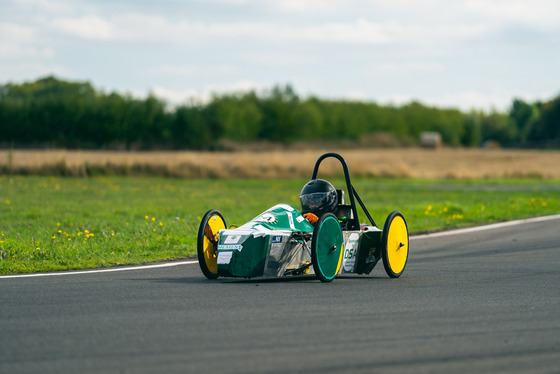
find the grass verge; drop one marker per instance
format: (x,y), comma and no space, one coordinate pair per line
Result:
(54,223)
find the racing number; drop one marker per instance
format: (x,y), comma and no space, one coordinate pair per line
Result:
(349,252)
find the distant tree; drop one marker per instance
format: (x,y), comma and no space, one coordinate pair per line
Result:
(239,115)
(277,107)
(55,113)
(524,115)
(547,127)
(44,111)
(471,135)
(308,117)
(194,127)
(498,127)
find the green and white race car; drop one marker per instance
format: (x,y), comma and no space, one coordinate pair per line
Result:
(282,242)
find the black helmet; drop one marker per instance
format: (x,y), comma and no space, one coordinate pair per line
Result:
(318,197)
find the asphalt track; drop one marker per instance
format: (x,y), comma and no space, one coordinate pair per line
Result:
(473,302)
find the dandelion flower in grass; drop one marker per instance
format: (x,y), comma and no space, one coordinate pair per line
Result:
(161,223)
(146,217)
(153,219)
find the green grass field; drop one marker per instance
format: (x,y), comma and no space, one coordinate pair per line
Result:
(50,223)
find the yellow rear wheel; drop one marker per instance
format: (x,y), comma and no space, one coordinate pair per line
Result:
(395,244)
(207,243)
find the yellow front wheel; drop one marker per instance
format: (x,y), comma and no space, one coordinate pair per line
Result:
(395,244)
(207,243)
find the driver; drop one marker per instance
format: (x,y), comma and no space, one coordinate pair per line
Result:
(317,198)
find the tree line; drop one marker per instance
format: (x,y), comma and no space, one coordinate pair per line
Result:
(55,113)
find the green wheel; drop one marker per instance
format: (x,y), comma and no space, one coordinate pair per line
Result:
(394,244)
(207,242)
(326,247)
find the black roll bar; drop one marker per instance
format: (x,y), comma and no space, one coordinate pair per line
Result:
(351,190)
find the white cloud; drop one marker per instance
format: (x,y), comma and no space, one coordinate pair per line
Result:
(175,97)
(216,42)
(12,51)
(406,67)
(17,41)
(358,32)
(15,33)
(189,70)
(41,8)
(175,70)
(238,86)
(468,100)
(538,14)
(534,13)
(308,6)
(396,99)
(397,22)
(276,59)
(87,27)
(187,96)
(157,29)
(464,100)
(366,32)
(32,70)
(355,96)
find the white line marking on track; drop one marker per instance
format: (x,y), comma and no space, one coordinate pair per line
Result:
(487,227)
(127,268)
(171,264)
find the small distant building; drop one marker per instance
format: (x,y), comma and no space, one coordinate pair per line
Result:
(430,139)
(491,144)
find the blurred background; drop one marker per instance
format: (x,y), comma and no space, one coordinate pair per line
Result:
(242,74)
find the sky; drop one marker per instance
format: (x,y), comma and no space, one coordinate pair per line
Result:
(467,54)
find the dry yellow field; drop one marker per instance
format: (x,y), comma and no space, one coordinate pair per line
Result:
(407,162)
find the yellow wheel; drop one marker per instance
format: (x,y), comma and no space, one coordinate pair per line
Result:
(207,243)
(395,244)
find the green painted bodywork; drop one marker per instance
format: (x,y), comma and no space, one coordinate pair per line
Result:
(242,252)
